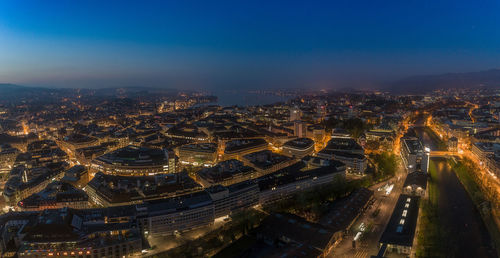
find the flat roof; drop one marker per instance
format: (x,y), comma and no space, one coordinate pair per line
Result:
(413,145)
(416,178)
(294,173)
(238,145)
(174,204)
(279,225)
(341,153)
(265,159)
(401,227)
(135,156)
(299,143)
(201,147)
(345,210)
(343,144)
(224,170)
(116,189)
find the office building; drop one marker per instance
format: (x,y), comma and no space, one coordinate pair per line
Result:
(298,148)
(413,154)
(201,154)
(135,161)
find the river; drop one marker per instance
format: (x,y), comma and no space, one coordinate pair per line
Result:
(468,236)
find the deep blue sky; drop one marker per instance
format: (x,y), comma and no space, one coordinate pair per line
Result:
(242,44)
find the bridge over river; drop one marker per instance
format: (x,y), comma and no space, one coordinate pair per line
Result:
(466,232)
(443,154)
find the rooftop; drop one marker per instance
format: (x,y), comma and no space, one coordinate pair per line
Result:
(299,143)
(345,210)
(224,170)
(330,152)
(55,192)
(265,159)
(288,226)
(296,172)
(201,147)
(401,227)
(238,145)
(343,144)
(416,178)
(135,156)
(174,204)
(413,145)
(116,189)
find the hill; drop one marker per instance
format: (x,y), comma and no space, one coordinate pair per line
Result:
(426,83)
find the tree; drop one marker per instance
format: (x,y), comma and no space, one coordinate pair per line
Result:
(386,163)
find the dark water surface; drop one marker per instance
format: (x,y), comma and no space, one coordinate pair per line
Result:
(468,236)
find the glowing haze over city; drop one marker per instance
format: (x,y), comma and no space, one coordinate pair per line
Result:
(249,129)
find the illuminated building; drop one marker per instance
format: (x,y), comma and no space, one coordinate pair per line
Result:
(73,142)
(8,155)
(414,156)
(135,161)
(483,150)
(344,144)
(110,190)
(56,195)
(299,129)
(72,233)
(266,161)
(236,149)
(400,231)
(198,154)
(187,132)
(453,144)
(295,114)
(177,214)
(24,182)
(233,198)
(225,173)
(355,163)
(298,148)
(285,182)
(415,184)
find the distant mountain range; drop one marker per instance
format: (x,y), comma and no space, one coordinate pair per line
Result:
(427,83)
(11,92)
(413,84)
(18,92)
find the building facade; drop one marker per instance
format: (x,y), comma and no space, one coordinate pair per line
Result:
(413,154)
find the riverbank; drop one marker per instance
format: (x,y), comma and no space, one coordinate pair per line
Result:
(431,234)
(463,170)
(440,143)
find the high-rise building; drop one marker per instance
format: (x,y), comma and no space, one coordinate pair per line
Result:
(299,129)
(295,114)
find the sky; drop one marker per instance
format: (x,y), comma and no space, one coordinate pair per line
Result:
(242,44)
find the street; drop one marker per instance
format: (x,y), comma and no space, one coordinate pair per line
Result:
(367,245)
